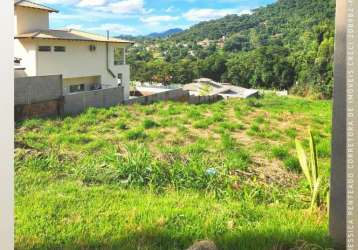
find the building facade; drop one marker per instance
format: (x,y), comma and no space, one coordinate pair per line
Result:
(86,61)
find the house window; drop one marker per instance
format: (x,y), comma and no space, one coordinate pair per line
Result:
(119,56)
(45,48)
(92,48)
(60,48)
(120,79)
(77,88)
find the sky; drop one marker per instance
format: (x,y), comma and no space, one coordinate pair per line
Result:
(141,17)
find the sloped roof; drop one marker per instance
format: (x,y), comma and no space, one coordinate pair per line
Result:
(29,4)
(70,34)
(222,89)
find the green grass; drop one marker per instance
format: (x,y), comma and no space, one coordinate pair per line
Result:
(164,175)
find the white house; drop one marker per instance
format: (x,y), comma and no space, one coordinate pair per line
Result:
(86,61)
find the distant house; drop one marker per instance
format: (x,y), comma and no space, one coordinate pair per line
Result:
(86,61)
(204,43)
(206,86)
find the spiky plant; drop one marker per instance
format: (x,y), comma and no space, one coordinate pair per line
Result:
(310,169)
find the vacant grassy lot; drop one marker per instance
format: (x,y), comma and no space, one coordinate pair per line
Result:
(164,175)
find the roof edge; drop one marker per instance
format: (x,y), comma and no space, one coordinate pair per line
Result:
(45,8)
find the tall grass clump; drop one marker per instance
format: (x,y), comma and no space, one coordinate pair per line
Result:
(147,124)
(135,134)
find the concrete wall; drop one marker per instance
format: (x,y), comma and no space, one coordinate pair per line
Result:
(29,20)
(75,103)
(37,89)
(39,110)
(204,99)
(174,95)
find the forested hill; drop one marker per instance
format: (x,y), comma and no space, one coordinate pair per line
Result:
(283,17)
(285,45)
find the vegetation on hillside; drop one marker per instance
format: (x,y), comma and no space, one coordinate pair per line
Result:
(164,175)
(286,45)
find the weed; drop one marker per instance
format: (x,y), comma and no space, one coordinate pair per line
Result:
(252,102)
(135,134)
(202,124)
(122,125)
(280,152)
(291,132)
(147,124)
(292,164)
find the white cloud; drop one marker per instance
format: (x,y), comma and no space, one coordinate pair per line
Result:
(114,28)
(87,15)
(170,9)
(62,2)
(155,20)
(124,7)
(73,26)
(197,15)
(91,3)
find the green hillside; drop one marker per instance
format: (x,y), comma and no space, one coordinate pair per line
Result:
(286,45)
(287,17)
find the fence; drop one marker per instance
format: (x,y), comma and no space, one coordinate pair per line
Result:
(38,96)
(204,99)
(75,103)
(42,96)
(37,89)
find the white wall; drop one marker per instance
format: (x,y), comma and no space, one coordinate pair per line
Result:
(26,50)
(79,61)
(30,19)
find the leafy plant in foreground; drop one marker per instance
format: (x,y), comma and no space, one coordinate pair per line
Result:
(310,169)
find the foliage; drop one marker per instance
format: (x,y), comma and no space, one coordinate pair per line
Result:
(285,45)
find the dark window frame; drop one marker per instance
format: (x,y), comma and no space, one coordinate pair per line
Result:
(77,88)
(92,47)
(44,48)
(119,59)
(60,49)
